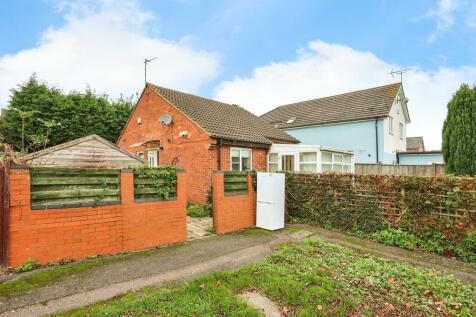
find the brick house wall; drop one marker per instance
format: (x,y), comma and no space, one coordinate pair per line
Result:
(75,233)
(197,153)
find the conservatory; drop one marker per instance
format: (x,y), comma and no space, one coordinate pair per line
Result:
(309,159)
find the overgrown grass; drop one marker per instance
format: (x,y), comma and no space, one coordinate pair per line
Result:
(199,211)
(309,279)
(48,275)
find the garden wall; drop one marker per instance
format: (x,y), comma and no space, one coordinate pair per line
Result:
(437,209)
(234,201)
(45,235)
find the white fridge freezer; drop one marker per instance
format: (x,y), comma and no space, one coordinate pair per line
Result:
(270,201)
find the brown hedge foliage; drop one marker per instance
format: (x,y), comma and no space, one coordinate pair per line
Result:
(367,203)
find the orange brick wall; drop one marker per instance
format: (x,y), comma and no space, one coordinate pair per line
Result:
(232,213)
(197,153)
(194,153)
(74,233)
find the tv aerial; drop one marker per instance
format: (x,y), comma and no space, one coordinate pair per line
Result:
(147,61)
(400,72)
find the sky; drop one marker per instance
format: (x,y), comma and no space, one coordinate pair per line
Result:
(258,54)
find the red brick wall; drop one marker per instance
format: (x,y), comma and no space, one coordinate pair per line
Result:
(259,158)
(232,213)
(194,153)
(74,233)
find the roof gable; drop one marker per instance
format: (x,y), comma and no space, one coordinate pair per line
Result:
(353,106)
(223,121)
(70,144)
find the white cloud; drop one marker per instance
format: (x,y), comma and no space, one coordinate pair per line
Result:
(450,13)
(324,69)
(102,44)
(444,16)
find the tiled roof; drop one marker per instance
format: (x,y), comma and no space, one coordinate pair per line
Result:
(415,143)
(224,121)
(358,105)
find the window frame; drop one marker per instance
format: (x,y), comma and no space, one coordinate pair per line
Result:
(400,130)
(138,154)
(334,163)
(157,157)
(277,161)
(241,162)
(316,165)
(390,124)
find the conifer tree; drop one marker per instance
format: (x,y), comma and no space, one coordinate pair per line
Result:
(459,133)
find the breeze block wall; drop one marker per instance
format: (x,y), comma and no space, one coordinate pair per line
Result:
(232,212)
(73,233)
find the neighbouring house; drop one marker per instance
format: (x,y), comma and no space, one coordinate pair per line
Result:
(305,158)
(415,144)
(371,122)
(417,155)
(420,158)
(88,152)
(168,127)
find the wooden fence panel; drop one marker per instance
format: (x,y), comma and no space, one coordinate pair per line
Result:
(401,170)
(236,183)
(73,187)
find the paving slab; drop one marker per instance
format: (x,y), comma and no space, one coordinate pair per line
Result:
(199,227)
(262,303)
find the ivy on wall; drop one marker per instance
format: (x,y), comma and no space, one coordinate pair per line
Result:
(439,212)
(155,183)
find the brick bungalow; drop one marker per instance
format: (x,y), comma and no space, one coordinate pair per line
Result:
(199,134)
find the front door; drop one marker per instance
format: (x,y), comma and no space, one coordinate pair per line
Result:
(287,163)
(153,158)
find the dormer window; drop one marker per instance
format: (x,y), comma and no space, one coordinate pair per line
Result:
(291,120)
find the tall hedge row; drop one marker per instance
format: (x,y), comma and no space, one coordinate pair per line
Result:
(429,208)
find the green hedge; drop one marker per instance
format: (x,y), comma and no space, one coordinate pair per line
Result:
(433,213)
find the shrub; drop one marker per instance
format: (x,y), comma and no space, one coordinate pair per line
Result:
(199,211)
(466,250)
(29,265)
(397,238)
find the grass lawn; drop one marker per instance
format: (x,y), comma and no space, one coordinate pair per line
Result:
(312,278)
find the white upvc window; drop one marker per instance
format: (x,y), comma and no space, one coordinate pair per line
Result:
(400,130)
(140,154)
(308,162)
(336,162)
(240,159)
(390,125)
(153,158)
(273,162)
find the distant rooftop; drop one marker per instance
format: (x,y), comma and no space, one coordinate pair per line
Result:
(352,106)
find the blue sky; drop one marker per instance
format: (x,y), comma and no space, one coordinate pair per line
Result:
(258,54)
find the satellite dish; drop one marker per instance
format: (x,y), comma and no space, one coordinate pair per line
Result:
(166,119)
